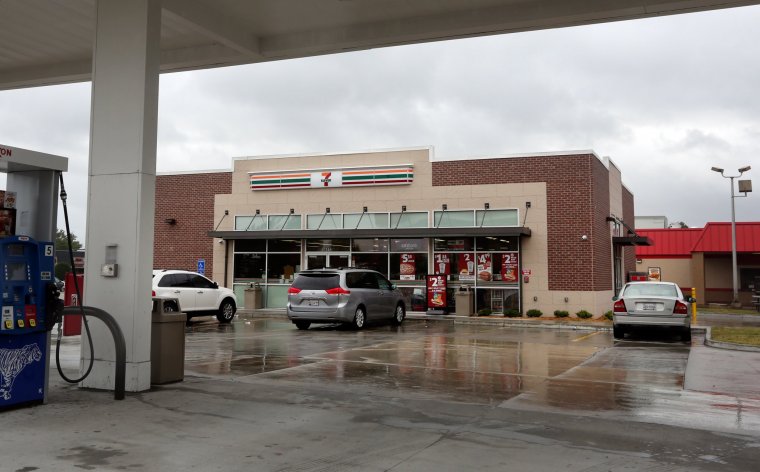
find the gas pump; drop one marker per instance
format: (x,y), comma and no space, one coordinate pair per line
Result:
(30,305)
(30,308)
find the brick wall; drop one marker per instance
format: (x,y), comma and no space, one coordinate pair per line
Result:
(629,253)
(577,192)
(189,199)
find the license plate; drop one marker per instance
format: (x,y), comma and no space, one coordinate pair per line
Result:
(648,307)
(313,302)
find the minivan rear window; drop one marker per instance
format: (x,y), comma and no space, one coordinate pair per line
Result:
(316,281)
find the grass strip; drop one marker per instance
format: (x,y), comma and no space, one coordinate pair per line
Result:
(737,335)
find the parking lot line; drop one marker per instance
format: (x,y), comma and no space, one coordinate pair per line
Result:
(586,336)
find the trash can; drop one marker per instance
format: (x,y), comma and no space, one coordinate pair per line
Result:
(167,344)
(463,302)
(253,297)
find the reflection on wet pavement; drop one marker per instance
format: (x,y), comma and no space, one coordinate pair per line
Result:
(538,369)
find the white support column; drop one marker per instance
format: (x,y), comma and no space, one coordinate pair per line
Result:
(122,177)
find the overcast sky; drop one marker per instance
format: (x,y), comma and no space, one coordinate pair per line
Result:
(664,98)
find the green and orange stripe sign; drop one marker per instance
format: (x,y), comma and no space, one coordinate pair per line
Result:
(322,178)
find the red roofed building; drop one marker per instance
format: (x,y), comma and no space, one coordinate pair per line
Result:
(701,258)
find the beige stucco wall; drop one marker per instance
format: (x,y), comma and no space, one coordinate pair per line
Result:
(678,271)
(718,272)
(421,195)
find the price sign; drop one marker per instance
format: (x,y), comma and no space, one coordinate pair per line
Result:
(436,292)
(509,267)
(407,266)
(442,264)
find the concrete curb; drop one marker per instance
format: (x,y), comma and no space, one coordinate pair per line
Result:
(724,345)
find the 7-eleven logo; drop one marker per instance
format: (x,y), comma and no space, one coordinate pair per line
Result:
(326,178)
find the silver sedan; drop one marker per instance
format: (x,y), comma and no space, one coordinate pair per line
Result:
(651,304)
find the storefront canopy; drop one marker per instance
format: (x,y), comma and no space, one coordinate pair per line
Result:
(372,233)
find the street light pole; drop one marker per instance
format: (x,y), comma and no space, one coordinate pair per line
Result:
(735,270)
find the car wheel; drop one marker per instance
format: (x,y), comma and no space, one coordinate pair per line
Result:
(618,332)
(170,307)
(360,318)
(226,311)
(686,335)
(399,315)
(302,325)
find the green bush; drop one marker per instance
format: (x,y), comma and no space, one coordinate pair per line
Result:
(608,315)
(534,313)
(484,312)
(561,313)
(584,315)
(512,313)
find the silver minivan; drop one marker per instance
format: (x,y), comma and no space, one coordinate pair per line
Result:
(341,295)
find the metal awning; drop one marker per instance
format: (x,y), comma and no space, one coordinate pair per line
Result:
(631,241)
(519,231)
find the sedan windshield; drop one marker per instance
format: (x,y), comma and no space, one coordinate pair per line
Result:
(651,290)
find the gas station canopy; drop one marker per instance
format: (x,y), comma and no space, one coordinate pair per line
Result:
(45,42)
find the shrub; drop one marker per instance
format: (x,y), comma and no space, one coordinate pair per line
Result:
(511,313)
(484,312)
(608,315)
(534,313)
(583,314)
(561,313)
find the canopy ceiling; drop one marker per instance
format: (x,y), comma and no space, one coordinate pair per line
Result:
(50,41)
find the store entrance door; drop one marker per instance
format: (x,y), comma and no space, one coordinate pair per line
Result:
(331,260)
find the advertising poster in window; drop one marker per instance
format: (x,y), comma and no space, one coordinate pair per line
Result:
(509,267)
(407,266)
(436,292)
(442,264)
(466,266)
(654,274)
(485,268)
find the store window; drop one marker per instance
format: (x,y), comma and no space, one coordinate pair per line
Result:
(409,219)
(487,218)
(369,245)
(409,259)
(453,219)
(285,245)
(365,221)
(324,221)
(279,222)
(250,223)
(249,267)
(282,267)
(455,258)
(250,245)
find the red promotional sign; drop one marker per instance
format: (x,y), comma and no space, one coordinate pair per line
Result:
(407,266)
(442,264)
(436,292)
(466,266)
(484,267)
(509,267)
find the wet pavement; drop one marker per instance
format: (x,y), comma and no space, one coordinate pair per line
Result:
(259,394)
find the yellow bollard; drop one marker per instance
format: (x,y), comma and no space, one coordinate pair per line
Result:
(694,306)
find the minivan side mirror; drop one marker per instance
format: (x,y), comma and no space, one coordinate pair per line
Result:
(216,285)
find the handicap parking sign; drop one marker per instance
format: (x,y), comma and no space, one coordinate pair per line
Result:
(201,266)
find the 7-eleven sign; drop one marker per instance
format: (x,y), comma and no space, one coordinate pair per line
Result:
(329,178)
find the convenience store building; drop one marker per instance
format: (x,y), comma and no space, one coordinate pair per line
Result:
(549,231)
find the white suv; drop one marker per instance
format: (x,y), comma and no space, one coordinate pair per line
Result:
(197,295)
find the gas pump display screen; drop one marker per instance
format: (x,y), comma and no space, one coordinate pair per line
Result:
(15,250)
(16,271)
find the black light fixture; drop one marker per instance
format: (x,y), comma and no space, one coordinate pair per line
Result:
(403,208)
(444,207)
(364,209)
(327,210)
(170,221)
(487,206)
(258,212)
(292,210)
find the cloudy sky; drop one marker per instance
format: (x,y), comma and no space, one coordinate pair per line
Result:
(664,98)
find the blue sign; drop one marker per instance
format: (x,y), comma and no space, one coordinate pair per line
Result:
(201,266)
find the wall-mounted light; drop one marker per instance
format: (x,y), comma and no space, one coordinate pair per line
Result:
(403,207)
(327,210)
(527,204)
(292,211)
(364,209)
(584,238)
(535,299)
(170,221)
(567,299)
(258,212)
(444,207)
(487,206)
